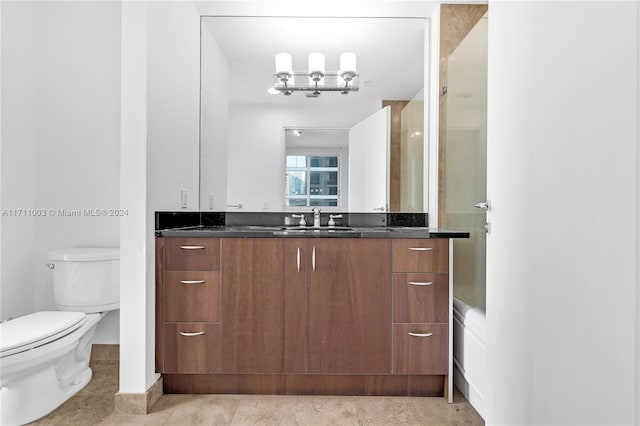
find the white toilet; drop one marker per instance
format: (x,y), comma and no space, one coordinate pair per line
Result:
(44,357)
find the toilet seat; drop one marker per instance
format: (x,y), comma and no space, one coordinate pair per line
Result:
(33,330)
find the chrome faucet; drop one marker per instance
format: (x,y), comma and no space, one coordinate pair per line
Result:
(302,222)
(316,217)
(332,223)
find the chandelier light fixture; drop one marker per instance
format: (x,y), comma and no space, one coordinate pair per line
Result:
(316,79)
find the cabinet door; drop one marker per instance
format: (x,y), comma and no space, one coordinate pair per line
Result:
(348,306)
(262,306)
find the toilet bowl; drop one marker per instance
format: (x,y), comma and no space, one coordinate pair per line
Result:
(44,356)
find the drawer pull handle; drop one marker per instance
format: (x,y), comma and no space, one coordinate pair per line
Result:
(420,283)
(313,259)
(187,334)
(191,247)
(421,248)
(298,259)
(420,334)
(192,281)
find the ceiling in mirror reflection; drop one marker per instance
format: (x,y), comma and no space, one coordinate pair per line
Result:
(390,55)
(322,138)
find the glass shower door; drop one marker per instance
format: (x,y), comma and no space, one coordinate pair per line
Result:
(464,164)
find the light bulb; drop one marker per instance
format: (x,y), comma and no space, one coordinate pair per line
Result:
(284,63)
(348,62)
(316,63)
(347,67)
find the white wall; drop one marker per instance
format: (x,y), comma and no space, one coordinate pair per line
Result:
(256,149)
(173,69)
(136,287)
(78,155)
(60,141)
(214,127)
(563,177)
(19,140)
(161,61)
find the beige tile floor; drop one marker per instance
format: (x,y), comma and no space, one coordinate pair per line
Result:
(94,406)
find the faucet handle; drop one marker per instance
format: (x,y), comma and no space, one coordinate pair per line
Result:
(333,216)
(301,217)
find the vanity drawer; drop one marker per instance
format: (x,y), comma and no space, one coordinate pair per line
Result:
(191,348)
(191,296)
(192,254)
(420,255)
(424,351)
(420,298)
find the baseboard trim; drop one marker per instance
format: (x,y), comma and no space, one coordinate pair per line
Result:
(138,403)
(469,390)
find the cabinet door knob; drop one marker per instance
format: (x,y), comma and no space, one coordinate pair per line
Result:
(187,334)
(191,281)
(420,248)
(420,334)
(191,247)
(420,282)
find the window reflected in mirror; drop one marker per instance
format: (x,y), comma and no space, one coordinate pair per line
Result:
(311,181)
(316,168)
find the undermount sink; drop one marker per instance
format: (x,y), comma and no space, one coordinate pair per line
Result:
(256,228)
(311,229)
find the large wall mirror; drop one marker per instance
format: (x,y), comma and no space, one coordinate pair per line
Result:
(356,152)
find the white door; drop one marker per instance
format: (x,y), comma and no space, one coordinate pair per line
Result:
(369,145)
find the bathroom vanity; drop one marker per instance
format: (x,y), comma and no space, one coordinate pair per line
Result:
(259,309)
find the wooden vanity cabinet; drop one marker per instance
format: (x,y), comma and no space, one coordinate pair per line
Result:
(188,310)
(420,306)
(352,316)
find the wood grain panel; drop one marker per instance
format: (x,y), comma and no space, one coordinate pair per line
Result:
(257,306)
(186,299)
(434,259)
(415,300)
(349,307)
(305,384)
(395,153)
(191,354)
(420,355)
(179,257)
(295,314)
(159,305)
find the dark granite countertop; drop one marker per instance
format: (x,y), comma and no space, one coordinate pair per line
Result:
(250,231)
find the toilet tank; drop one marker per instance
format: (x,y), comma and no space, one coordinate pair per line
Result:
(86,279)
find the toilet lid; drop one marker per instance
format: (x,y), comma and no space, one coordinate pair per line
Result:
(40,327)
